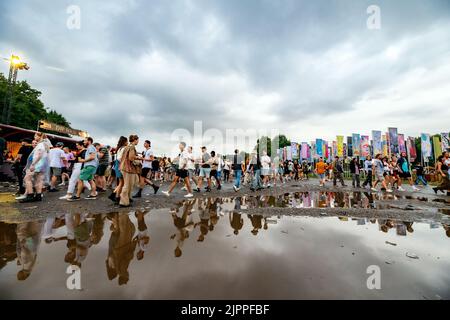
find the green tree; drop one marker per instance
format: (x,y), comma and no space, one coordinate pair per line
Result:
(267,144)
(27,108)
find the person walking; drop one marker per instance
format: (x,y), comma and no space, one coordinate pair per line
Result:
(238,167)
(181,172)
(355,171)
(338,172)
(131,168)
(378,171)
(321,168)
(368,171)
(144,179)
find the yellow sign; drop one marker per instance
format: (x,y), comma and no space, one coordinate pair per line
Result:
(50,126)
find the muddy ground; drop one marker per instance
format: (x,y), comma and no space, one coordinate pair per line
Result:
(422,206)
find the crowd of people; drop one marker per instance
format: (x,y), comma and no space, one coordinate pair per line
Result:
(94,168)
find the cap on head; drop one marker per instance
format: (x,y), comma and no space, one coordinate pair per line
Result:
(60,144)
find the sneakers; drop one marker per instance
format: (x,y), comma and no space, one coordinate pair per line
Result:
(62,184)
(415,188)
(53,190)
(21,197)
(374,189)
(389,190)
(184,188)
(189,195)
(112,197)
(166,193)
(64,197)
(197,190)
(28,198)
(401,189)
(91,197)
(155,189)
(73,198)
(235,188)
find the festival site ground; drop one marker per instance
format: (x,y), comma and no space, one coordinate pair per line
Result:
(294,241)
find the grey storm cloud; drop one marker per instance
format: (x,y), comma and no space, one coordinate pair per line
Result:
(158,65)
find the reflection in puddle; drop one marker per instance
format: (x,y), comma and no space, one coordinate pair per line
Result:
(207,249)
(315,199)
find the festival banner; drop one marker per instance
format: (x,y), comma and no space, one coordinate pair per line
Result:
(334,149)
(340,146)
(304,151)
(308,153)
(288,153)
(401,143)
(376,142)
(349,149)
(393,140)
(365,147)
(294,150)
(411,147)
(319,147)
(426,146)
(445,141)
(345,150)
(325,148)
(313,150)
(437,146)
(356,144)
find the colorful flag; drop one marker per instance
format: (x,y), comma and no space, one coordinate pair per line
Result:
(411,146)
(349,148)
(313,150)
(445,141)
(401,143)
(304,151)
(365,147)
(426,146)
(437,146)
(356,143)
(340,146)
(334,149)
(376,142)
(319,147)
(294,150)
(325,148)
(393,140)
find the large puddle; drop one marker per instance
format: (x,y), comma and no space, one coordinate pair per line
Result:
(208,250)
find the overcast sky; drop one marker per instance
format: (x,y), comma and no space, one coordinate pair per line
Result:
(311,69)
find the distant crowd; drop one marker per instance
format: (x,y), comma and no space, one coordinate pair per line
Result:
(93,168)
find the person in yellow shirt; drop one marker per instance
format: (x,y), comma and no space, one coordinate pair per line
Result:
(321,168)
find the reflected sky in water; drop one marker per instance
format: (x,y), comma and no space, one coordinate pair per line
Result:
(206,249)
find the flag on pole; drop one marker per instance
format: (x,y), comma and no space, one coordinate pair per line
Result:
(340,146)
(376,142)
(356,143)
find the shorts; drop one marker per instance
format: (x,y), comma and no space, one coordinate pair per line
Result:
(145,172)
(405,175)
(101,170)
(380,177)
(213,173)
(265,172)
(87,173)
(55,171)
(182,173)
(64,170)
(117,170)
(205,172)
(321,176)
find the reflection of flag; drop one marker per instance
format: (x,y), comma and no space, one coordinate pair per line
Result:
(426,146)
(401,143)
(445,141)
(377,146)
(356,143)
(437,146)
(340,146)
(365,149)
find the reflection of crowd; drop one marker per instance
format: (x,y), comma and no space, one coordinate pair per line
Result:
(129,236)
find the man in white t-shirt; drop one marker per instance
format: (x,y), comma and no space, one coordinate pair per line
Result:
(147,160)
(265,171)
(57,159)
(182,172)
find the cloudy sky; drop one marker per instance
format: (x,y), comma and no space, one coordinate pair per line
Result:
(310,69)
